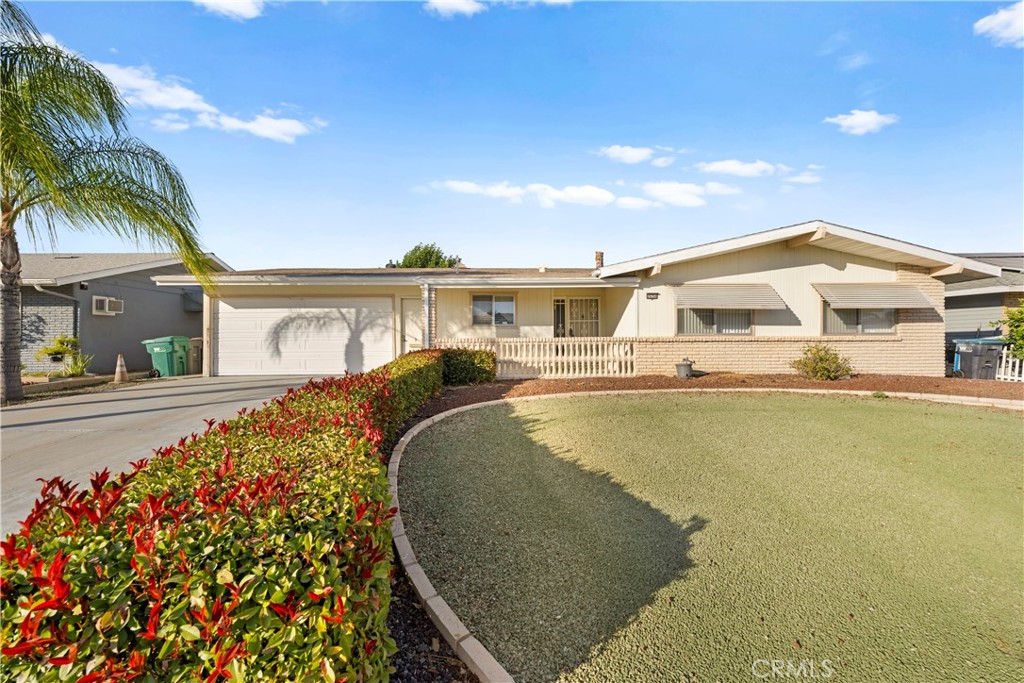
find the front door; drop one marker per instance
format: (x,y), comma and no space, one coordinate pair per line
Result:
(412,325)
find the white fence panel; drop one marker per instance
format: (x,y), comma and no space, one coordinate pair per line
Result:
(1010,369)
(556,358)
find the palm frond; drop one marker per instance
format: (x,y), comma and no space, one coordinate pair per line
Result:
(15,24)
(121,186)
(47,95)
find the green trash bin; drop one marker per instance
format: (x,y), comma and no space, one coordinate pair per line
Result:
(169,354)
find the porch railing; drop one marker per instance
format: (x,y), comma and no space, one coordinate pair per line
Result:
(556,358)
(1010,369)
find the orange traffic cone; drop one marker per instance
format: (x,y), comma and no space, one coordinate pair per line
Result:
(121,373)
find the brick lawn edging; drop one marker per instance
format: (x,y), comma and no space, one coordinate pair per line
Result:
(468,648)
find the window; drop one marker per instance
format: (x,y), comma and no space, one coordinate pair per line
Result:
(713,321)
(859,320)
(584,318)
(494,309)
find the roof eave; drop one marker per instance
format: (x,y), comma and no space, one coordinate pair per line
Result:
(815,233)
(112,272)
(370,280)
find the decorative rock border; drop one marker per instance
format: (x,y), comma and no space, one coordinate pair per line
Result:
(468,648)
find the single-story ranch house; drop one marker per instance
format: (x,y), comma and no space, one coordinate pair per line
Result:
(108,301)
(747,304)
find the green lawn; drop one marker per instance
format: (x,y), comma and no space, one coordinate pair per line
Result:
(665,537)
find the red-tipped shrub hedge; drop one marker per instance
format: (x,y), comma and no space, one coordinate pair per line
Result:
(258,550)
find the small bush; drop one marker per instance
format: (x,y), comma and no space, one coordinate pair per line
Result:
(1014,322)
(74,363)
(468,366)
(822,362)
(880,394)
(258,550)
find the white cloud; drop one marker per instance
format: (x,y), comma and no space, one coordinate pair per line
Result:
(658,194)
(170,123)
(49,39)
(815,167)
(687,195)
(1005,28)
(859,122)
(743,169)
(721,188)
(834,43)
(804,178)
(240,10)
(502,190)
(587,195)
(663,162)
(142,87)
(636,203)
(265,125)
(451,8)
(624,154)
(546,195)
(855,61)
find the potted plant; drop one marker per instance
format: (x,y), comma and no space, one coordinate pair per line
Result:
(65,350)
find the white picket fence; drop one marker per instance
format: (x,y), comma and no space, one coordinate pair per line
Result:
(1010,369)
(556,358)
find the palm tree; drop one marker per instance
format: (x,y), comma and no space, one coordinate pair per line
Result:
(67,161)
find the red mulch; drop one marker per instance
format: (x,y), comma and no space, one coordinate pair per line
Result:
(454,398)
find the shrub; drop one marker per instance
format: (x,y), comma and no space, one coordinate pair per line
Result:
(1014,322)
(822,362)
(258,550)
(415,377)
(468,366)
(74,363)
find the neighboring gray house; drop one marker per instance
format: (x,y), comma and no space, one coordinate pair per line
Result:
(109,302)
(974,305)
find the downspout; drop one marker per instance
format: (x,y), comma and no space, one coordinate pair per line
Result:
(39,288)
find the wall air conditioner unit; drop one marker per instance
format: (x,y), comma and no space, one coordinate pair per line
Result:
(105,305)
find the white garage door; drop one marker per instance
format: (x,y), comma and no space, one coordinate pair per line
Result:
(302,336)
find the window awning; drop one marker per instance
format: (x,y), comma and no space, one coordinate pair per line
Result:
(731,296)
(872,295)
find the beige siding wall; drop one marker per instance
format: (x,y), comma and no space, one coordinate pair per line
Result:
(534,311)
(789,271)
(619,313)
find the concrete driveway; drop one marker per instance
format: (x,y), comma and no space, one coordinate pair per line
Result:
(77,435)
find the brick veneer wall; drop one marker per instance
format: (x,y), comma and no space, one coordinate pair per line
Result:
(44,317)
(917,348)
(1010,300)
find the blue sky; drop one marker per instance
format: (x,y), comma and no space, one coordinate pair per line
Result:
(521,134)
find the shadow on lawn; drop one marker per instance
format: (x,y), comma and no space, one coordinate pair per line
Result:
(542,560)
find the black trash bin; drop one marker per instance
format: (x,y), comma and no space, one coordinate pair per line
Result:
(978,358)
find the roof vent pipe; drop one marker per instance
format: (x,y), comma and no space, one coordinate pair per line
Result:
(599,259)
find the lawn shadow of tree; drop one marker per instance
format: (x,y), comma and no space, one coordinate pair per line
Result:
(542,559)
(356,322)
